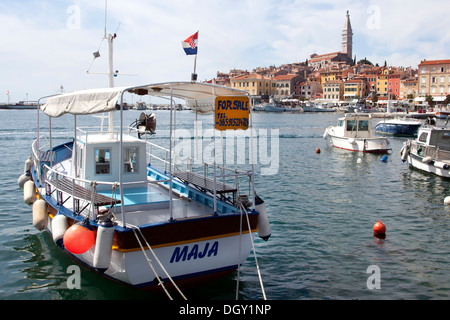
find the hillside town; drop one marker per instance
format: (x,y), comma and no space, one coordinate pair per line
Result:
(336,78)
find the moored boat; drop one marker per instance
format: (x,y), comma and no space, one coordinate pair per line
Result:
(430,151)
(354,133)
(398,127)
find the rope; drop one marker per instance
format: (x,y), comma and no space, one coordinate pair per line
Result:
(151,266)
(254,253)
(157,260)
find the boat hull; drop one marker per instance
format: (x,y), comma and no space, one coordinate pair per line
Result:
(192,252)
(417,162)
(406,130)
(368,145)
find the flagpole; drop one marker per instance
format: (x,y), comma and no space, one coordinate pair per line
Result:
(194,75)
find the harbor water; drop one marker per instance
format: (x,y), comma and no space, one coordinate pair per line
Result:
(322,208)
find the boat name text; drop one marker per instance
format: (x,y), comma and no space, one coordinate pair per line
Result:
(194,252)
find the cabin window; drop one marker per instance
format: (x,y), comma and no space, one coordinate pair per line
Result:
(351,125)
(423,137)
(363,125)
(340,123)
(102,161)
(131,160)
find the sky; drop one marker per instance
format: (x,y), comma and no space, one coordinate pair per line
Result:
(48,45)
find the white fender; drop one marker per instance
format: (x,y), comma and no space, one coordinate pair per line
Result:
(427,160)
(264,231)
(22,179)
(59,227)
(29,192)
(103,246)
(325,135)
(442,165)
(28,165)
(404,152)
(40,217)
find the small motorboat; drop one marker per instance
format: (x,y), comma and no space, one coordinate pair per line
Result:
(354,132)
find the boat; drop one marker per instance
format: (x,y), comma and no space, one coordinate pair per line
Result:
(441,114)
(430,151)
(127,208)
(313,107)
(398,127)
(354,132)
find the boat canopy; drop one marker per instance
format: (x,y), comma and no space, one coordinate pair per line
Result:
(200,97)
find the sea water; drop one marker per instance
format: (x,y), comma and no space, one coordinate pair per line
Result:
(322,207)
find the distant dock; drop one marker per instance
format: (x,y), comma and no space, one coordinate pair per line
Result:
(19,105)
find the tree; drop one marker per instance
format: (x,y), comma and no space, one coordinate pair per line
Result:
(430,100)
(447,99)
(365,61)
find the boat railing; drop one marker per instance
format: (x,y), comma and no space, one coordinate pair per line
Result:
(434,152)
(212,177)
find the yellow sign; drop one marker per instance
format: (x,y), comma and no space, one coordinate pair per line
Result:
(232,113)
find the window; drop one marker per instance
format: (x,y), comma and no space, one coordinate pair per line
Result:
(423,137)
(102,161)
(351,125)
(131,160)
(363,125)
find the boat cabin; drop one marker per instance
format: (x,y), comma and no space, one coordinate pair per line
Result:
(354,126)
(433,136)
(97,158)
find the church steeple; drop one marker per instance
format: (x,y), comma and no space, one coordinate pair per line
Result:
(347,37)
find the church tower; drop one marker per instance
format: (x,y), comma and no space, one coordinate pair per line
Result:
(347,38)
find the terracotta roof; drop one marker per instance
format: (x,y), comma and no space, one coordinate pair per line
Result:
(431,62)
(285,77)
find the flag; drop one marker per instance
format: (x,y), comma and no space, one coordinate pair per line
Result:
(190,44)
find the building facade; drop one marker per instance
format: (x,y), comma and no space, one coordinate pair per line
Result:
(434,79)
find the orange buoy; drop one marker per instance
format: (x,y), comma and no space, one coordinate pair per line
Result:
(317,150)
(79,238)
(379,228)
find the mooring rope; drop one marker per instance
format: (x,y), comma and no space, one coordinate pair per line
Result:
(157,260)
(254,253)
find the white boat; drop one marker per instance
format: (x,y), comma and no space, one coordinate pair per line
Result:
(109,206)
(354,133)
(430,151)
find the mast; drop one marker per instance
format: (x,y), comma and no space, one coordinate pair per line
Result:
(110,39)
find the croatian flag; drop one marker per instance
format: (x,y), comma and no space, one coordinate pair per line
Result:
(190,44)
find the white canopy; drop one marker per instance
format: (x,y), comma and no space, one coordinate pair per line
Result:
(200,97)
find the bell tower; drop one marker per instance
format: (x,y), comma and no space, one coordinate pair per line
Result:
(347,37)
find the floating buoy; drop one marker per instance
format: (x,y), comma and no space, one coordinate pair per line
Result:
(358,161)
(264,231)
(318,150)
(22,179)
(379,228)
(79,238)
(447,201)
(40,217)
(103,246)
(384,158)
(29,192)
(404,152)
(59,227)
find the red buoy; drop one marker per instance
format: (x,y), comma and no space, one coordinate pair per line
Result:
(318,150)
(79,238)
(379,228)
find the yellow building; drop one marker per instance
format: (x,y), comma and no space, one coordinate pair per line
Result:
(354,89)
(255,84)
(383,83)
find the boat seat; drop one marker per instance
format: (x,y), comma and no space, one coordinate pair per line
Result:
(80,193)
(205,183)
